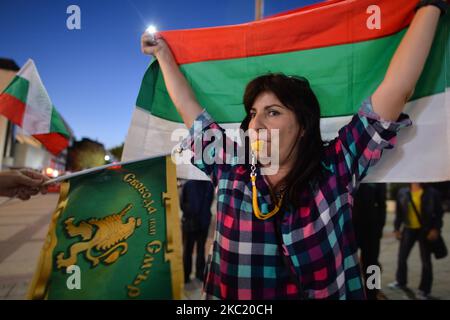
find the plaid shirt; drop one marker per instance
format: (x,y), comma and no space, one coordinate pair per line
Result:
(317,236)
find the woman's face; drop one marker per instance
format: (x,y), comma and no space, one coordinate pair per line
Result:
(269,113)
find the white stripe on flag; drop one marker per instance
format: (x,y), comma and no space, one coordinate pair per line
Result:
(38,110)
(423,150)
(422,153)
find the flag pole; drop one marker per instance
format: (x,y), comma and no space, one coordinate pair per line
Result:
(95,169)
(259,9)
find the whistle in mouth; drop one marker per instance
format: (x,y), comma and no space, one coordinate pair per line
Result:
(257,145)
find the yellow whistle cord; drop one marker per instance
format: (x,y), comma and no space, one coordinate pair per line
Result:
(256,210)
(257,147)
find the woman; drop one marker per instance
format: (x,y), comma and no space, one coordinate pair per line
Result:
(307,248)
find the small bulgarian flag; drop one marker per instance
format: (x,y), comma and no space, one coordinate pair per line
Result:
(26,103)
(343,47)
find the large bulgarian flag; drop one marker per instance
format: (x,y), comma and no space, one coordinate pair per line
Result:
(26,103)
(343,47)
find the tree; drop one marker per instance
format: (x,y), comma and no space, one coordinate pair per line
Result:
(117,151)
(85,154)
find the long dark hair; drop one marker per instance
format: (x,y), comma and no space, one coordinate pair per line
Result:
(296,94)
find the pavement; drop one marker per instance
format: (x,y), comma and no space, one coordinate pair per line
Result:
(23,228)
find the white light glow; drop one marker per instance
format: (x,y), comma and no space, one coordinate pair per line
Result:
(151,29)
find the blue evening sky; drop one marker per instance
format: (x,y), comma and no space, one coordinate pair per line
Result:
(93,75)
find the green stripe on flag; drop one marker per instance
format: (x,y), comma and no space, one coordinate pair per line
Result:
(147,90)
(341,76)
(434,78)
(18,88)
(57,124)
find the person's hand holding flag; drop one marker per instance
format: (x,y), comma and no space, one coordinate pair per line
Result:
(22,183)
(152,43)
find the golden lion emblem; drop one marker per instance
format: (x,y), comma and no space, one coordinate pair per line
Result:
(107,235)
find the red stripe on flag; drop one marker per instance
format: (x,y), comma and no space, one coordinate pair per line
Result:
(326,24)
(305,8)
(53,142)
(12,108)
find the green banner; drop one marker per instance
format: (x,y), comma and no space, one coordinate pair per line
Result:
(114,235)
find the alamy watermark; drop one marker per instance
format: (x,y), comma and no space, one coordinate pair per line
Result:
(373,277)
(374,20)
(73,21)
(73,282)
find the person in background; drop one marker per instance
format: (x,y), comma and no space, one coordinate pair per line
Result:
(422,225)
(196,199)
(369,217)
(21,183)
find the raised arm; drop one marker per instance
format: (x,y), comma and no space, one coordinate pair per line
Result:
(406,65)
(179,90)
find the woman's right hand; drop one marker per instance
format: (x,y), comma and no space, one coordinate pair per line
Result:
(156,48)
(177,86)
